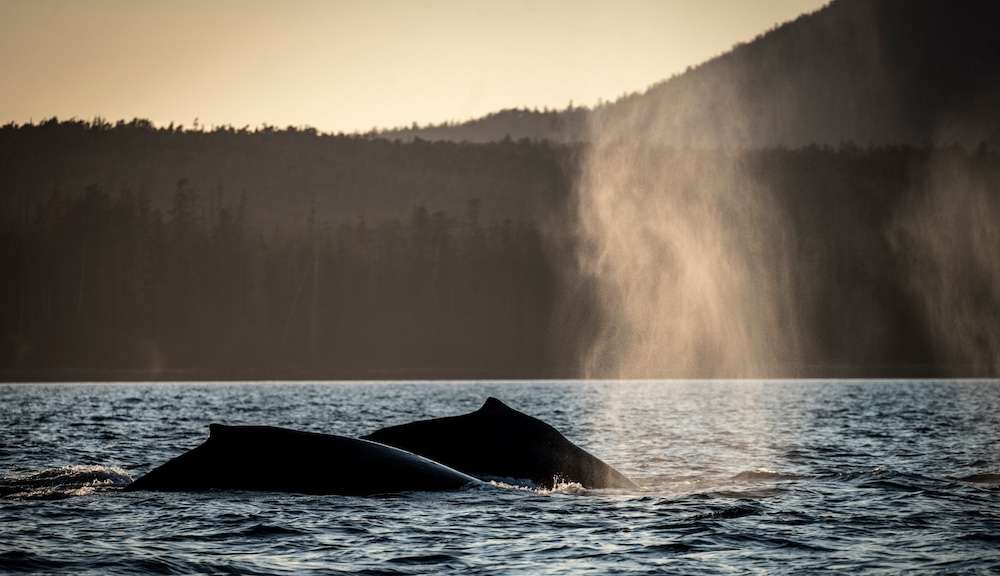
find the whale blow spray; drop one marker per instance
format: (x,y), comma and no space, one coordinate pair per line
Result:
(690,254)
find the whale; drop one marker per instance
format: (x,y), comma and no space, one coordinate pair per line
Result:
(270,459)
(499,442)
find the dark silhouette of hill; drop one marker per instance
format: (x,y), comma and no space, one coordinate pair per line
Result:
(863,71)
(135,252)
(282,173)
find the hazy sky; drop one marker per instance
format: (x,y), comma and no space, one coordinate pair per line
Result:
(351,65)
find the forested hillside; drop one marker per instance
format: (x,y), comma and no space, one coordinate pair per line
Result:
(282,174)
(130,251)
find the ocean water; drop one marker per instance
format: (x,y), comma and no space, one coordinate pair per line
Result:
(736,477)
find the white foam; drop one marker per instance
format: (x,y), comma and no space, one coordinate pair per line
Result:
(559,487)
(64,482)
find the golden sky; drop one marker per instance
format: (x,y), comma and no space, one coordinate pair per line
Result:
(351,65)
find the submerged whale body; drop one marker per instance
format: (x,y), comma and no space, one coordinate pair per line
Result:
(265,458)
(450,453)
(497,441)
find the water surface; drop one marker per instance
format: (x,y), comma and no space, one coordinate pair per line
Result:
(876,476)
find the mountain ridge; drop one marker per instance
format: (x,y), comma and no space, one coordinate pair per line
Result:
(878,72)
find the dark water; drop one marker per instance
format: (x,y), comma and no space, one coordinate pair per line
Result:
(737,477)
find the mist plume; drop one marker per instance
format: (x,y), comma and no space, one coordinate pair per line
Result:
(949,239)
(707,266)
(690,256)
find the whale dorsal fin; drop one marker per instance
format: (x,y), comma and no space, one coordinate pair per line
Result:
(218,430)
(494,405)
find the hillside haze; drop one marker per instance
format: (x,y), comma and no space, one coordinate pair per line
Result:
(868,72)
(701,263)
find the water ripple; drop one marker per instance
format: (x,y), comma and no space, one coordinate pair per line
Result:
(734,476)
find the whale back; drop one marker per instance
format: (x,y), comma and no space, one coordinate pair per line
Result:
(497,441)
(265,458)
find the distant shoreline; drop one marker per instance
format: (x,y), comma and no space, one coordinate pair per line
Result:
(809,372)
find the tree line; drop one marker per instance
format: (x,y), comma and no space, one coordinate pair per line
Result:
(131,251)
(103,284)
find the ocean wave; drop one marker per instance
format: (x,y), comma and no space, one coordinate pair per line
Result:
(764,475)
(984,478)
(858,474)
(981,537)
(26,561)
(271,530)
(662,479)
(427,559)
(728,512)
(63,482)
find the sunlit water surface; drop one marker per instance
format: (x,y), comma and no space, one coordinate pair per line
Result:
(735,476)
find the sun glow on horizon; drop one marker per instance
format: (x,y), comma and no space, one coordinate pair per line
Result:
(341,66)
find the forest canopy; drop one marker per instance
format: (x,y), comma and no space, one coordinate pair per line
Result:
(135,251)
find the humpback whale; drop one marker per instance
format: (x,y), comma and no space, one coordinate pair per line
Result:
(264,458)
(497,441)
